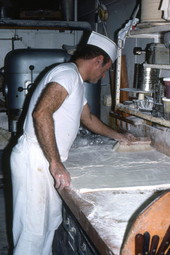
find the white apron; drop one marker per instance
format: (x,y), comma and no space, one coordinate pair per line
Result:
(36,203)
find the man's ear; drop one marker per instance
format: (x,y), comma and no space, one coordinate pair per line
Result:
(99,60)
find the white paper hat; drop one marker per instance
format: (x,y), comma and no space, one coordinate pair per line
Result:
(104,43)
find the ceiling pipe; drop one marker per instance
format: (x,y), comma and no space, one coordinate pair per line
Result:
(33,24)
(75,10)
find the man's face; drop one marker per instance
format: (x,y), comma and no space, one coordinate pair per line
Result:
(98,71)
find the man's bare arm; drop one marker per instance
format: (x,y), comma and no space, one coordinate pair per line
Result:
(50,100)
(95,125)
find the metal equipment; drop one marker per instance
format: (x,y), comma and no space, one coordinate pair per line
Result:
(148,81)
(22,68)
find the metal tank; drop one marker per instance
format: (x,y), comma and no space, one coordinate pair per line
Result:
(25,66)
(21,69)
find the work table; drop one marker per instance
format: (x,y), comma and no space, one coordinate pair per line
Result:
(109,189)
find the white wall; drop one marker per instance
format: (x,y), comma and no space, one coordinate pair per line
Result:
(35,39)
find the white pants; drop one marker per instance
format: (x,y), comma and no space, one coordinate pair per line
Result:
(36,203)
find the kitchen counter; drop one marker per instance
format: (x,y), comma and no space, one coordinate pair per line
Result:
(109,189)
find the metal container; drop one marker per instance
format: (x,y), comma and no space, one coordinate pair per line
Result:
(146,78)
(22,68)
(67,7)
(150,11)
(166,108)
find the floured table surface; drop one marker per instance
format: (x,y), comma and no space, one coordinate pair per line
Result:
(113,213)
(117,187)
(99,168)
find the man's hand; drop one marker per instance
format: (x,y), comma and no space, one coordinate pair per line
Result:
(125,138)
(91,122)
(61,176)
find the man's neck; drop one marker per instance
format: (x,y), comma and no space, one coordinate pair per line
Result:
(84,67)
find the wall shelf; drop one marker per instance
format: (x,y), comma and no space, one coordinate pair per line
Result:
(142,115)
(164,67)
(150,28)
(143,30)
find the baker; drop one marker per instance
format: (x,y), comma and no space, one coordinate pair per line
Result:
(57,106)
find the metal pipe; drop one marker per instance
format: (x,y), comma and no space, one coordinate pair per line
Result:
(37,24)
(75,19)
(13,39)
(75,10)
(96,15)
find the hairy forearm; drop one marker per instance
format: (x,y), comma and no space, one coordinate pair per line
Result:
(51,99)
(44,128)
(97,126)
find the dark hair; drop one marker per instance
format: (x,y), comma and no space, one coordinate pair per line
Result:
(88,52)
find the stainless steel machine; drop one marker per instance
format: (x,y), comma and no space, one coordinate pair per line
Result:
(22,68)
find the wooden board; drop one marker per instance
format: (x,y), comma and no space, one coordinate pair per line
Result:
(140,144)
(155,219)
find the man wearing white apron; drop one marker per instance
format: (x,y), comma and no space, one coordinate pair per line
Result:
(56,108)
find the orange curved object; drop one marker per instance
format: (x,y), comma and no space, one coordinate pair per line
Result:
(155,219)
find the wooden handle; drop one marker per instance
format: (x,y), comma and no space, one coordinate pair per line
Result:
(165,242)
(139,240)
(168,252)
(146,243)
(154,244)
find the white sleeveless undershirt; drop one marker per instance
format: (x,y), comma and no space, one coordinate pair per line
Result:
(67,117)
